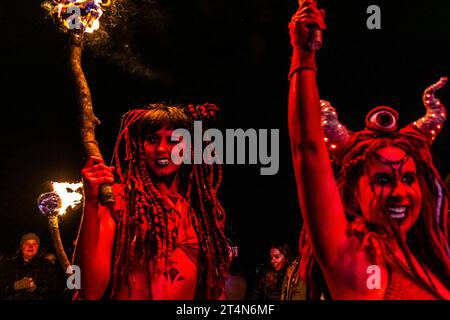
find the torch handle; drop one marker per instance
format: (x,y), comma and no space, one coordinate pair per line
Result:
(315,39)
(88,119)
(57,243)
(315,34)
(106,195)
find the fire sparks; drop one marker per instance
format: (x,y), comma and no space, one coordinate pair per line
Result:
(63,196)
(81,15)
(69,193)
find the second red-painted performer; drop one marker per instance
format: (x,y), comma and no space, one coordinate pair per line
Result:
(385,212)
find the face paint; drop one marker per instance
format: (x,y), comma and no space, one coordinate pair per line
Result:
(389,189)
(158,147)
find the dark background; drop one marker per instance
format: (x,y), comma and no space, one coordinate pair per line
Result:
(234,53)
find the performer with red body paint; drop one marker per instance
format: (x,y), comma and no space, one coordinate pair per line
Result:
(386,210)
(164,237)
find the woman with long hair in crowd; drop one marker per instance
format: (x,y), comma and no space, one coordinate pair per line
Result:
(268,286)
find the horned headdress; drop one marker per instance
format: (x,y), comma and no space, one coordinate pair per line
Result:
(382,121)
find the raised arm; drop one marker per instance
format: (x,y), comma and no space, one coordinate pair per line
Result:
(319,197)
(97,232)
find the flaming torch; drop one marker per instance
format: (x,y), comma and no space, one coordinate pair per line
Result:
(55,204)
(78,17)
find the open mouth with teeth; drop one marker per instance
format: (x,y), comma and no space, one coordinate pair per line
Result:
(398,212)
(162,162)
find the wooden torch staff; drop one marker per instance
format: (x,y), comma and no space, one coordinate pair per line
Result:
(88,120)
(49,204)
(57,243)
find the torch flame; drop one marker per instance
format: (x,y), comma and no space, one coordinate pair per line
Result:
(69,193)
(77,14)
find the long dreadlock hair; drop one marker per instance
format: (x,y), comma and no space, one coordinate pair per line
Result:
(427,240)
(142,226)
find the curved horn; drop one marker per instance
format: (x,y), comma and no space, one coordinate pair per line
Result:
(336,134)
(431,124)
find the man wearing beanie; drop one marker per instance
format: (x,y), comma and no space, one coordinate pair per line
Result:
(27,276)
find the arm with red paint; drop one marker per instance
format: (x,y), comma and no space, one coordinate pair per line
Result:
(319,197)
(96,238)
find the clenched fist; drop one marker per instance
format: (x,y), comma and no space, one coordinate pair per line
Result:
(307,17)
(95,173)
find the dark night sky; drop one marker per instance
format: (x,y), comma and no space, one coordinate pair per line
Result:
(234,53)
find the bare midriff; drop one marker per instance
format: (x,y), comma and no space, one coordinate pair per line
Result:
(175,278)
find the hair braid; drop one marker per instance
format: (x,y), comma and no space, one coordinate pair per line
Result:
(143,227)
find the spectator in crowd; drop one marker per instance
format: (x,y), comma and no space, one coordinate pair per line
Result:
(27,276)
(268,285)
